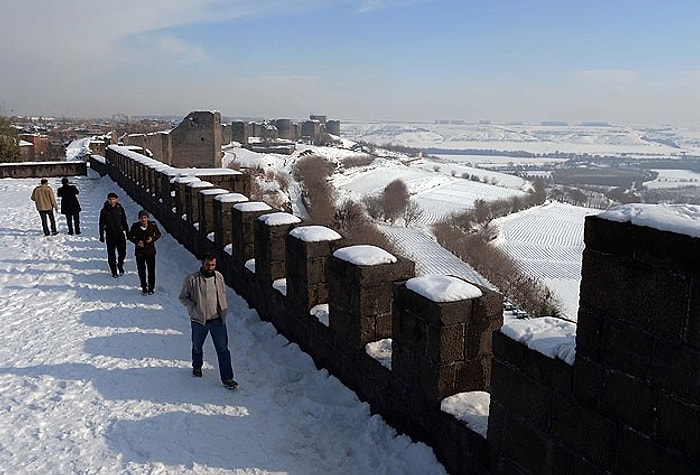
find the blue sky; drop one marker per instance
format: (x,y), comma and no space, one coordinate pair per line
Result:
(626,62)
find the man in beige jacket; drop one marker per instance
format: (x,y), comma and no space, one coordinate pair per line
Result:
(204,295)
(45,202)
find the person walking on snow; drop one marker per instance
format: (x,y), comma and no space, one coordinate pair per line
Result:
(204,295)
(45,203)
(113,227)
(144,235)
(70,207)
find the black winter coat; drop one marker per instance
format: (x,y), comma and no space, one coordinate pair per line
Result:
(69,199)
(113,223)
(136,234)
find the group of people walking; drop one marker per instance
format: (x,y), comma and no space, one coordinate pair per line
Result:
(203,293)
(45,203)
(144,233)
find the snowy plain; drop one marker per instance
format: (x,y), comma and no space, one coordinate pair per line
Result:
(96,378)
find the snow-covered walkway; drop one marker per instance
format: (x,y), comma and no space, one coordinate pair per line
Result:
(96,378)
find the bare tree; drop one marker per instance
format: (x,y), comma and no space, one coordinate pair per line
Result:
(395,199)
(412,213)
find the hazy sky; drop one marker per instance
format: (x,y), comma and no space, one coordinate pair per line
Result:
(622,61)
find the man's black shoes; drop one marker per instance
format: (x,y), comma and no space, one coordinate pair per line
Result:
(197,372)
(230,383)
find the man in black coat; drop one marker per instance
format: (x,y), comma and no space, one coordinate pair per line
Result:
(144,234)
(70,206)
(113,227)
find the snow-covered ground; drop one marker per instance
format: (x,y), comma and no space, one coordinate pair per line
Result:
(547,243)
(601,139)
(96,378)
(674,179)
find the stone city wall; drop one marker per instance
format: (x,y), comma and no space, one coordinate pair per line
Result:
(629,403)
(42,169)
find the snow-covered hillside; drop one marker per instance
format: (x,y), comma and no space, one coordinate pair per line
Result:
(546,241)
(592,139)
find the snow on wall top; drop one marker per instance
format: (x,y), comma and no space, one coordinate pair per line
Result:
(214,191)
(553,337)
(365,255)
(443,288)
(315,234)
(184,179)
(199,184)
(676,218)
(231,198)
(252,206)
(278,219)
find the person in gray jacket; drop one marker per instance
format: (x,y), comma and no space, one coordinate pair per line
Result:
(204,295)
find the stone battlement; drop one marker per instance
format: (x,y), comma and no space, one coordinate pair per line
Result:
(629,403)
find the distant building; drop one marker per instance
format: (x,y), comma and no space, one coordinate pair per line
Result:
(309,130)
(34,147)
(194,142)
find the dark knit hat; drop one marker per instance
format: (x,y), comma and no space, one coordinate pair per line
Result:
(112,195)
(64,181)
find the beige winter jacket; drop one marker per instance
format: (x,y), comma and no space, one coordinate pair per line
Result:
(44,199)
(193,296)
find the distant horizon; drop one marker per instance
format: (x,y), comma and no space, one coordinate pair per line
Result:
(227,118)
(623,62)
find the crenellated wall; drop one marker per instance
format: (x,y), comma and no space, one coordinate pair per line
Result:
(628,404)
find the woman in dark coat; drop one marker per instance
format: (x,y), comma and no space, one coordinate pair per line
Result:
(70,205)
(144,235)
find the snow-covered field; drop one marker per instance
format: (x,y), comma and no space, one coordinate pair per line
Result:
(674,179)
(601,139)
(547,243)
(96,378)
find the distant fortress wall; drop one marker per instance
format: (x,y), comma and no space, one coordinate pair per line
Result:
(197,140)
(310,130)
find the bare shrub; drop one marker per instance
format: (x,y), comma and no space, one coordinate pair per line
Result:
(350,214)
(357,161)
(373,205)
(312,168)
(313,174)
(257,191)
(276,199)
(499,268)
(283,181)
